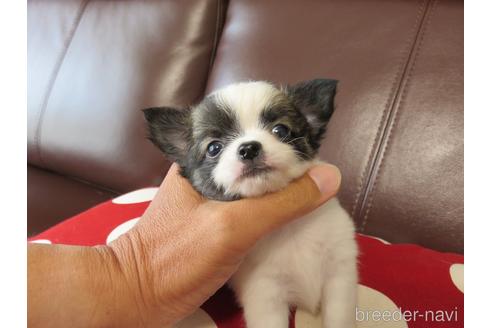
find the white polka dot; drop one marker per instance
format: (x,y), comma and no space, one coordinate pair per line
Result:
(137,196)
(379,239)
(41,241)
(199,319)
(304,319)
(121,229)
(456,271)
(368,300)
(371,301)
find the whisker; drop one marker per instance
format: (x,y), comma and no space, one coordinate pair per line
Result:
(295,139)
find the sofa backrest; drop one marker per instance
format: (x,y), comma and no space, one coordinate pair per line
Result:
(93,65)
(397,132)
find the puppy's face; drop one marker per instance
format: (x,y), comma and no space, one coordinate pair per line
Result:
(246,139)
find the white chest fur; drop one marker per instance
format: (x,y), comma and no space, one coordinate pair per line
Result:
(308,263)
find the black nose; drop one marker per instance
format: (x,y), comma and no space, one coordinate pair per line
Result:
(249,150)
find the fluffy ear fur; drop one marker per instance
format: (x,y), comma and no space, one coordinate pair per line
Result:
(170,130)
(314,99)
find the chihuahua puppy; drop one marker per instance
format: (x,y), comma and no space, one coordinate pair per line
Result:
(251,138)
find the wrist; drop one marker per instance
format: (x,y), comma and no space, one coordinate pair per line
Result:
(132,275)
(114,304)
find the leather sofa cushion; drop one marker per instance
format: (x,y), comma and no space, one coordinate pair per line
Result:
(52,198)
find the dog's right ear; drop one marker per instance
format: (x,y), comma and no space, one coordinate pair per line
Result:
(170,130)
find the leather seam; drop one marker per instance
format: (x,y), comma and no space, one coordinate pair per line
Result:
(216,35)
(52,80)
(219,25)
(79,180)
(400,102)
(94,185)
(382,120)
(399,75)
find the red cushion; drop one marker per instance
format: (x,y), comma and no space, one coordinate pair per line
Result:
(400,285)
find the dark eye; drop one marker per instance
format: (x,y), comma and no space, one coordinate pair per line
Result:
(214,148)
(281,131)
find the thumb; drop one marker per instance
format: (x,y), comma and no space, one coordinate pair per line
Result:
(255,217)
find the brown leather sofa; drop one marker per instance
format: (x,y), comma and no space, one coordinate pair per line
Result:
(397,132)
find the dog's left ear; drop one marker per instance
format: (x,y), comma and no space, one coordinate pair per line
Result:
(314,99)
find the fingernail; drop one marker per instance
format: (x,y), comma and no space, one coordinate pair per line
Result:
(327,177)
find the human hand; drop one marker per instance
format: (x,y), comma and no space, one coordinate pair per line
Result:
(185,247)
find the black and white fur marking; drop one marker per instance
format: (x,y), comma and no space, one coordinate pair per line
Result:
(252,138)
